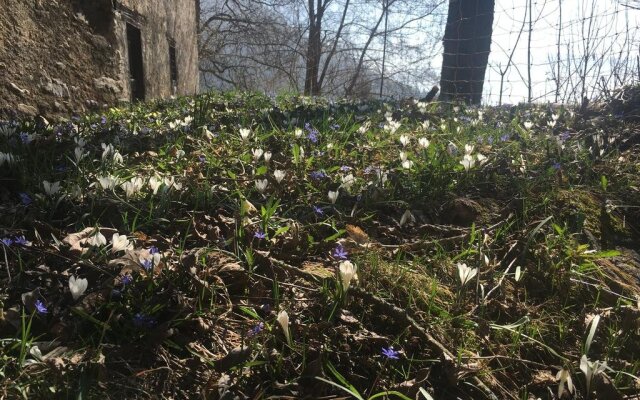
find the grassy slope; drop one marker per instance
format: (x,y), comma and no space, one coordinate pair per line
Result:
(539,219)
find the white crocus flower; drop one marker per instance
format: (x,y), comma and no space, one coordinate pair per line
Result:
(77,286)
(79,154)
(179,154)
(279,175)
(172,184)
(333,196)
(107,182)
(407,217)
(591,369)
(283,320)
(154,184)
(407,164)
(564,376)
(348,181)
(51,188)
(467,162)
(117,157)
(466,273)
(364,128)
(120,243)
(257,153)
(425,124)
(245,134)
(391,126)
(423,142)
(97,240)
(133,186)
(456,109)
(468,148)
(107,150)
(404,140)
(261,185)
(348,271)
(267,156)
(403,156)
(297,133)
(80,142)
(555,116)
(551,124)
(528,125)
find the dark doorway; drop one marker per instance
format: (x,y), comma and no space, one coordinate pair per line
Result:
(136,70)
(173,65)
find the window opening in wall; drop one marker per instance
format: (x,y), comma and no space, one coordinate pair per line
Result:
(136,69)
(173,63)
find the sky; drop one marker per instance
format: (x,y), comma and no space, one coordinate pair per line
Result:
(614,34)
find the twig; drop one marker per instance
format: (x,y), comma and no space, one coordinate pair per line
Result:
(401,315)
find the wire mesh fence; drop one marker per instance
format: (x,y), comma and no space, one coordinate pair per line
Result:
(555,51)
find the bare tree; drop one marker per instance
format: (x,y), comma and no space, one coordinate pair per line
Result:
(316,47)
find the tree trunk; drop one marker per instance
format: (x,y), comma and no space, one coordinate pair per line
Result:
(314,49)
(467,43)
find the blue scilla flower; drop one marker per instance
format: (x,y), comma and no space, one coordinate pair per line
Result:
(340,253)
(390,353)
(41,307)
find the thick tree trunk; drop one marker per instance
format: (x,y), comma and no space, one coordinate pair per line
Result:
(467,43)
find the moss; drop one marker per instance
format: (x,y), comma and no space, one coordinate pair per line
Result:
(582,210)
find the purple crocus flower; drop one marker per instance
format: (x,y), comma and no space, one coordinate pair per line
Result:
(7,241)
(153,250)
(260,235)
(345,168)
(103,120)
(318,210)
(556,165)
(20,240)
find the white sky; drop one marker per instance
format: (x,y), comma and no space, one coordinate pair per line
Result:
(609,26)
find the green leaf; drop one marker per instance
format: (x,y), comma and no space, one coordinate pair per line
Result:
(335,235)
(261,170)
(249,311)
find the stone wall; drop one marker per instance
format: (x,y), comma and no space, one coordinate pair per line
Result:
(162,22)
(50,60)
(59,57)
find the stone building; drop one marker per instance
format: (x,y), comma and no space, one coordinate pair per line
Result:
(65,56)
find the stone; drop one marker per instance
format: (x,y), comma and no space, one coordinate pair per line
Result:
(17,89)
(27,109)
(57,88)
(106,83)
